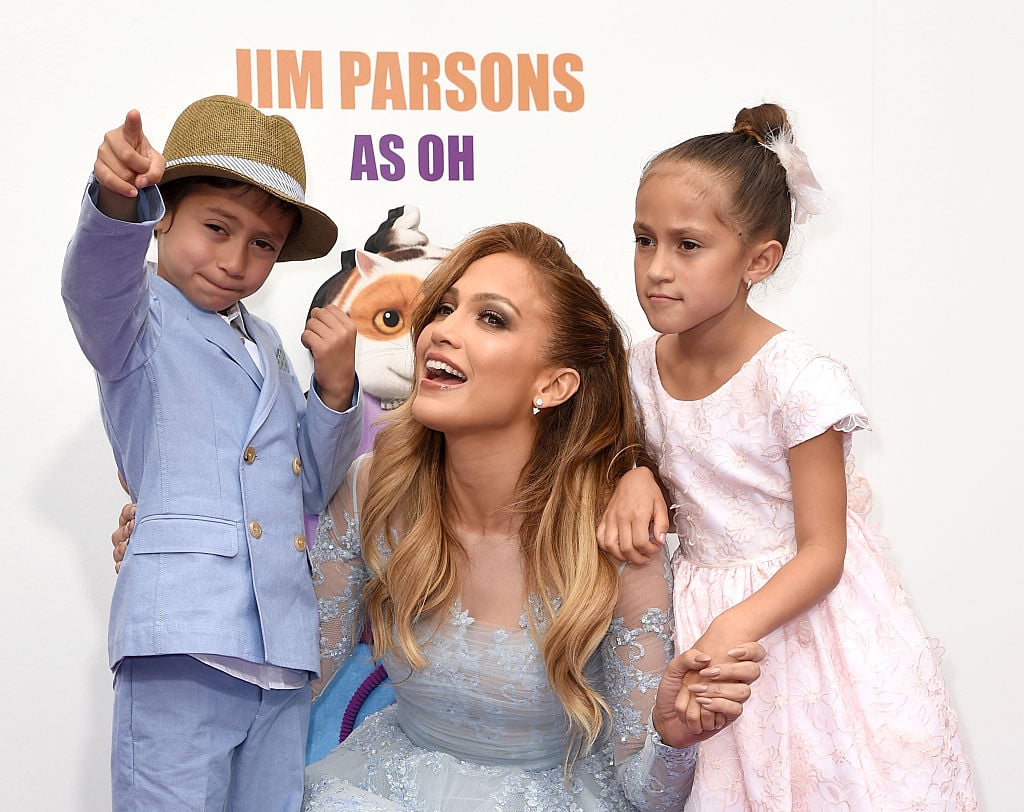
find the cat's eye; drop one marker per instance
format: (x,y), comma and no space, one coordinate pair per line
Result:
(388,322)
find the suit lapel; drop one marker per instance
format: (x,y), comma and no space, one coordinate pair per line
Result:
(213,328)
(219,332)
(270,349)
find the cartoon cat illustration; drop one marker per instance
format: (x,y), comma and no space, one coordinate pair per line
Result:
(378,287)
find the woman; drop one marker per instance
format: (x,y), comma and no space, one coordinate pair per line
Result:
(530,671)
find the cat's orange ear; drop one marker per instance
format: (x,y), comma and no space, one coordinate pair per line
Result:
(381,308)
(366,268)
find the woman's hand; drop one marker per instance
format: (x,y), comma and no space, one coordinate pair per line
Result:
(119,538)
(721,690)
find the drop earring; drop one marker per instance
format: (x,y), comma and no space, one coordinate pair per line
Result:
(749,283)
(537,404)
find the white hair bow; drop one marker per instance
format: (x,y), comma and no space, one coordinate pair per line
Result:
(808,196)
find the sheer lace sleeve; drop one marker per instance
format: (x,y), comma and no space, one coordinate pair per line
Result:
(339,574)
(635,652)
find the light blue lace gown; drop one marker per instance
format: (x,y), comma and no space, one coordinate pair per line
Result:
(480,728)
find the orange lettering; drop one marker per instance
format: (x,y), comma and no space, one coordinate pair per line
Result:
(388,88)
(453,65)
(355,71)
(424,90)
(243,68)
(264,84)
(533,82)
(307,81)
(572,100)
(496,82)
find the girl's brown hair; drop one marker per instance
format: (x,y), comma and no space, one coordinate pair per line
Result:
(760,202)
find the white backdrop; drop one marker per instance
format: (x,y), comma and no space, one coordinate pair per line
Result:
(901,107)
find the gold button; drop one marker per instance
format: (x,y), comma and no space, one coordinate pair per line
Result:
(255,529)
(297,466)
(249,455)
(300,542)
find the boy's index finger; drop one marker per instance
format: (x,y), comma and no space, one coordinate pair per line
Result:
(132,128)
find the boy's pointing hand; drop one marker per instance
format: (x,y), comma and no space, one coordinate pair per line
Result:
(125,163)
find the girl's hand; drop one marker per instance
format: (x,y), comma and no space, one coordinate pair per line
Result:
(120,537)
(718,641)
(721,690)
(635,522)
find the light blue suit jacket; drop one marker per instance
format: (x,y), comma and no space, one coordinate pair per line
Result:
(222,461)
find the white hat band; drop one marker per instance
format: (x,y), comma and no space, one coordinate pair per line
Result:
(259,172)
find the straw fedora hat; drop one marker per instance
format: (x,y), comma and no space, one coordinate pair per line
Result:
(227,138)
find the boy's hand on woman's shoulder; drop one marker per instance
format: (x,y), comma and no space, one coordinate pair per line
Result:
(330,336)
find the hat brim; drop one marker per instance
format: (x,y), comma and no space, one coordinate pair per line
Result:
(313,237)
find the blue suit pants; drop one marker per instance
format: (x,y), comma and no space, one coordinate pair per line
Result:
(187,736)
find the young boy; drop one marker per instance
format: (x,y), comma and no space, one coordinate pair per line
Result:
(213,625)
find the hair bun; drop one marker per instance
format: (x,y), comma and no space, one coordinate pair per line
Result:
(761,122)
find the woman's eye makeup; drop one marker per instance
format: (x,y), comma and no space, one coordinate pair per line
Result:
(493,318)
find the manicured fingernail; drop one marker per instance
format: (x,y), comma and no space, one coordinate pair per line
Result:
(699,688)
(737,652)
(714,671)
(703,700)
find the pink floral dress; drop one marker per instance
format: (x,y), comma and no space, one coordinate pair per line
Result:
(851,712)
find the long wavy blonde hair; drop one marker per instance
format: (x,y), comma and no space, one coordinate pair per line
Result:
(582,447)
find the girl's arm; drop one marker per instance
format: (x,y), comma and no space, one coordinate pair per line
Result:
(819,503)
(635,522)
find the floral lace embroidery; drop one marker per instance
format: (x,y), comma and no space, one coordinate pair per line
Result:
(622,676)
(339,608)
(850,706)
(481,721)
(336,795)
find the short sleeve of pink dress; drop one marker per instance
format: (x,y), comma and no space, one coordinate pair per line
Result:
(851,711)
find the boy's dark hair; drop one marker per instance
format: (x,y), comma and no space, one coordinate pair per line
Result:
(175,191)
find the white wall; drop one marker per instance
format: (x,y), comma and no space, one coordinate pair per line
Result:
(904,112)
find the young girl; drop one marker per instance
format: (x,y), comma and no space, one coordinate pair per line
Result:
(751,428)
